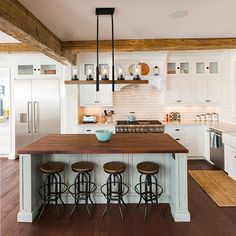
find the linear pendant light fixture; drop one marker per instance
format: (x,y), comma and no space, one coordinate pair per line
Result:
(102,12)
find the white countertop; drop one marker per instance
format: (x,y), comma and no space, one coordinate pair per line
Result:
(97,124)
(221,126)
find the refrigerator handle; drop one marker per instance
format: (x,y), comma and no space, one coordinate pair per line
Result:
(29,114)
(36,117)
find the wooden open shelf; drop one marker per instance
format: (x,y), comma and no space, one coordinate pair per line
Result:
(106,82)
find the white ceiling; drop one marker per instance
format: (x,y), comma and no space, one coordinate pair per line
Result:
(136,19)
(5,38)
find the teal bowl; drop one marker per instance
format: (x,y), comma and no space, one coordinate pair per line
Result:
(103,135)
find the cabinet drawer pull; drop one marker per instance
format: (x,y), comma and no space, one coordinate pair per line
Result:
(178,67)
(177,139)
(177,129)
(88,130)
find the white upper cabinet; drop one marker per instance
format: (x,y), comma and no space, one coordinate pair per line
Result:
(89,96)
(38,70)
(178,68)
(206,68)
(192,80)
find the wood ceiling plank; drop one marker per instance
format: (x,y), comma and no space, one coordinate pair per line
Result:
(20,23)
(150,45)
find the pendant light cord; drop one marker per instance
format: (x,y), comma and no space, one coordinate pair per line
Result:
(97,67)
(113,46)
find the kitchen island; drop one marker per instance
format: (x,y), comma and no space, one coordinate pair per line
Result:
(128,148)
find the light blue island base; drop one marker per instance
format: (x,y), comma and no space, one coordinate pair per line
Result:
(172,177)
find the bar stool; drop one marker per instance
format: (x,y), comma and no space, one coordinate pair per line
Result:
(114,189)
(53,187)
(83,186)
(148,187)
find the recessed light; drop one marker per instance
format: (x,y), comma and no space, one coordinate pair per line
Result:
(178,14)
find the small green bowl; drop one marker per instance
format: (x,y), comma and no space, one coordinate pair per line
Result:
(103,135)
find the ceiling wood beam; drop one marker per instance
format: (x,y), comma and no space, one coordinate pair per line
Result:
(20,23)
(16,47)
(150,45)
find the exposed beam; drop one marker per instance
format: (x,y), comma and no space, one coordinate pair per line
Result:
(16,47)
(20,23)
(150,45)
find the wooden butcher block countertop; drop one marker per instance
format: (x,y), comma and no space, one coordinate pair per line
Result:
(119,143)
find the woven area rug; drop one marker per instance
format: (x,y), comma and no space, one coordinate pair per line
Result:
(218,185)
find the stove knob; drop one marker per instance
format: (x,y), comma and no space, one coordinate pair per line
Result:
(137,129)
(151,130)
(141,130)
(129,129)
(120,129)
(125,129)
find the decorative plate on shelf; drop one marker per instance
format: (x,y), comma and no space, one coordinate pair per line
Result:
(144,68)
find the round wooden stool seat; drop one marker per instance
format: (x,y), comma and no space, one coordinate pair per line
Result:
(114,167)
(52,167)
(82,166)
(148,168)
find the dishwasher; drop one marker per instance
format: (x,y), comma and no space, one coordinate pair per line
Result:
(216,148)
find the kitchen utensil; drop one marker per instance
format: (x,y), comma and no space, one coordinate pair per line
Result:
(174,116)
(132,117)
(103,135)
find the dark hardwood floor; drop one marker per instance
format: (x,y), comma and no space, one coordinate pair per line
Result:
(206,217)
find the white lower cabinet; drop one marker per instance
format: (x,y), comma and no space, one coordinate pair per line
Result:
(89,96)
(230,161)
(190,136)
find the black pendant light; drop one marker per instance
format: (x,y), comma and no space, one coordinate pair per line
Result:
(102,12)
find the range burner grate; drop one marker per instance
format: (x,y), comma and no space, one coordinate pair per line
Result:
(139,122)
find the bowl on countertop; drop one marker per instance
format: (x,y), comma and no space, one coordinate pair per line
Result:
(103,135)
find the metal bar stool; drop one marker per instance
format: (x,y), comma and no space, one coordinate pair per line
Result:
(114,189)
(52,188)
(83,186)
(148,187)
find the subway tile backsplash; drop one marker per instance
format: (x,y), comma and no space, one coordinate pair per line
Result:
(147,103)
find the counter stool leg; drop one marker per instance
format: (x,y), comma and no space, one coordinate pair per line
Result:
(54,178)
(86,179)
(76,196)
(89,194)
(122,192)
(108,195)
(59,176)
(140,191)
(146,199)
(119,180)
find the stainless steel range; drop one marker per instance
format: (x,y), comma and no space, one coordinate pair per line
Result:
(139,126)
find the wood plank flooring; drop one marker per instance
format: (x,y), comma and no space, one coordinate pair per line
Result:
(206,217)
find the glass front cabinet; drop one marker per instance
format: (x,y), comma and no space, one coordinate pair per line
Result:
(178,68)
(38,70)
(206,67)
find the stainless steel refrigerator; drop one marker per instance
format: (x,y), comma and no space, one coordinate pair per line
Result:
(37,109)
